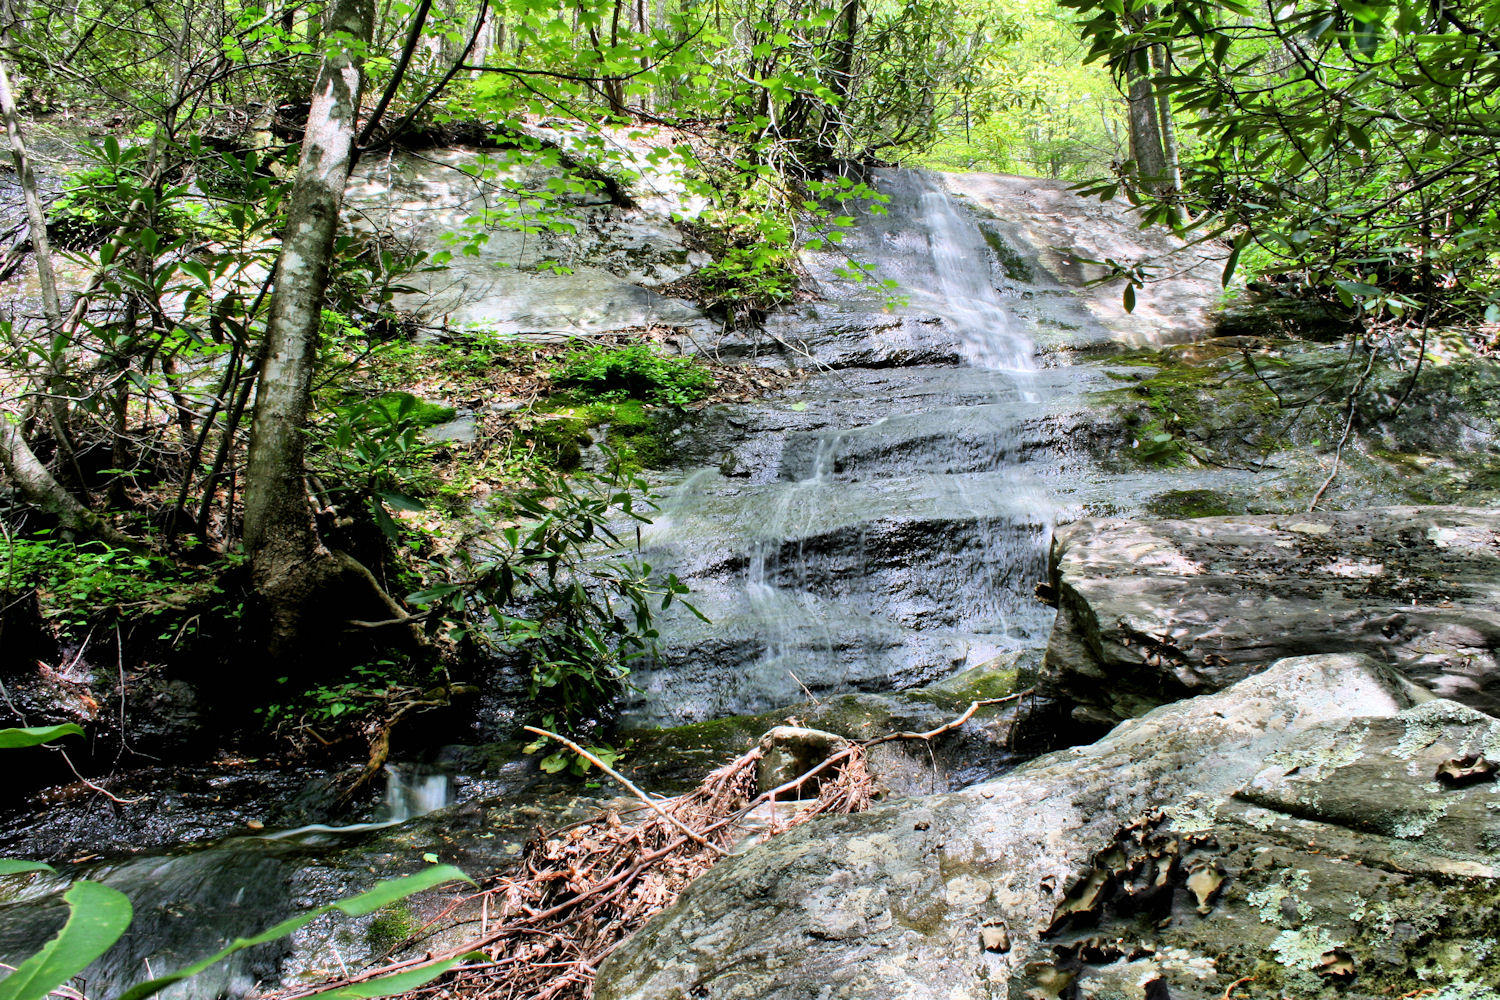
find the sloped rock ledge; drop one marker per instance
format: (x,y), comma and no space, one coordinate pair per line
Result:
(1289,828)
(1150,612)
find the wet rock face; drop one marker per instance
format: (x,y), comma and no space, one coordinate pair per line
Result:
(1154,611)
(884,522)
(611,265)
(1043,233)
(1290,828)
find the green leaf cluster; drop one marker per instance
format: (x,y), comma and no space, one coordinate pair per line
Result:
(635,371)
(98,915)
(84,585)
(1345,149)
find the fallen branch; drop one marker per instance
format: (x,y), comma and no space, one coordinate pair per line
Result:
(951,725)
(578,893)
(629,785)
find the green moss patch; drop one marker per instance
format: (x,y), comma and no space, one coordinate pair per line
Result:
(407,408)
(1015,266)
(1191,503)
(390,927)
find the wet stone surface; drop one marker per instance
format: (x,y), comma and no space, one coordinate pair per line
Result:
(1151,611)
(1288,828)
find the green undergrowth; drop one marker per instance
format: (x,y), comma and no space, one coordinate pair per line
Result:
(366,692)
(637,432)
(636,371)
(499,534)
(404,406)
(756,277)
(506,537)
(751,272)
(90,587)
(472,357)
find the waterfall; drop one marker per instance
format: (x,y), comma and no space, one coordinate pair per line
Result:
(896,534)
(410,791)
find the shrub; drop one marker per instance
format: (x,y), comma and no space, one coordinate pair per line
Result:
(566,593)
(81,585)
(92,199)
(756,277)
(635,372)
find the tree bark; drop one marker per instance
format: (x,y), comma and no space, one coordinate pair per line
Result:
(41,247)
(1145,133)
(300,583)
(1170,150)
(47,495)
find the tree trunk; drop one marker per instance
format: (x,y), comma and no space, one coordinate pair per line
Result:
(1172,157)
(47,495)
(1145,133)
(403,60)
(41,247)
(302,586)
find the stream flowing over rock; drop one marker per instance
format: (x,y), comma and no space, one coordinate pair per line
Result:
(867,545)
(1291,827)
(883,523)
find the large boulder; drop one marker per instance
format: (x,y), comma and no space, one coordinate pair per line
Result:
(1149,612)
(1294,828)
(599,272)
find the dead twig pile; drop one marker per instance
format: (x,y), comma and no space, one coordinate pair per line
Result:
(579,892)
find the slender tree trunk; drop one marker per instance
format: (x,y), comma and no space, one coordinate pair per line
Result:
(659,97)
(1168,123)
(613,86)
(41,247)
(46,494)
(302,585)
(842,80)
(403,60)
(1145,133)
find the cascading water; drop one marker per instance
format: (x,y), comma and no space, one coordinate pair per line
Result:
(410,791)
(188,904)
(896,535)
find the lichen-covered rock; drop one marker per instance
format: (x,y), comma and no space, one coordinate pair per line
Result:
(1289,828)
(1149,612)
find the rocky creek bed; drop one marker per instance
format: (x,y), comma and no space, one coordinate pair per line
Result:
(867,545)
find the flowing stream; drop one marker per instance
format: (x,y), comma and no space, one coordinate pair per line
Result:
(879,525)
(894,532)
